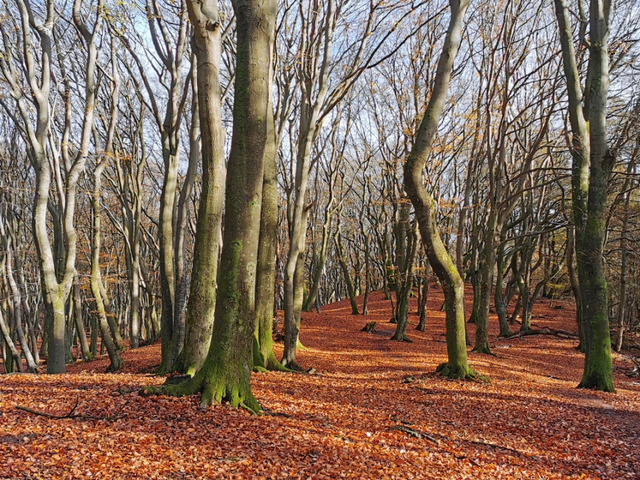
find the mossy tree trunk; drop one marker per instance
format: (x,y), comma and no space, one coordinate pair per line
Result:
(200,313)
(406,246)
(263,355)
(591,171)
(425,206)
(226,372)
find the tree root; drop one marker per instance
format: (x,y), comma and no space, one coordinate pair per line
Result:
(276,366)
(270,365)
(293,367)
(483,349)
(369,327)
(494,445)
(596,382)
(415,433)
(210,393)
(460,373)
(402,338)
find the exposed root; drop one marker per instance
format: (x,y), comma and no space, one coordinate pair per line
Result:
(597,383)
(544,331)
(71,413)
(460,373)
(273,365)
(483,349)
(114,367)
(292,366)
(212,392)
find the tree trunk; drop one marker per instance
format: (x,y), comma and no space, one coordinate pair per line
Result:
(263,355)
(624,254)
(96,276)
(485,272)
(498,296)
(425,207)
(202,295)
(226,372)
(167,257)
(406,241)
(80,327)
(424,298)
(15,354)
(351,291)
(591,171)
(293,290)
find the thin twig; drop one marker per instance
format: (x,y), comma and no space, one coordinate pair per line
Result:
(70,414)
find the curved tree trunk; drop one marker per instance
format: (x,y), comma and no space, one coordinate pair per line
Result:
(96,276)
(425,207)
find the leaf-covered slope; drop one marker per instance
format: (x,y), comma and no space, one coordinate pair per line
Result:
(373,409)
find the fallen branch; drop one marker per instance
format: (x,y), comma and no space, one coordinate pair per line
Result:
(494,445)
(420,435)
(71,413)
(415,433)
(545,331)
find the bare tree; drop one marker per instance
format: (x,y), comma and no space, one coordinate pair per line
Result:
(425,207)
(591,170)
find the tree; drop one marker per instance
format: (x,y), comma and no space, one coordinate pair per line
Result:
(424,204)
(591,170)
(57,259)
(206,44)
(226,372)
(325,75)
(97,286)
(168,31)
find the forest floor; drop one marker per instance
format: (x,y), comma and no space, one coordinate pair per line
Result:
(372,409)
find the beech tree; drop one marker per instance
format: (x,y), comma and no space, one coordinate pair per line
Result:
(168,33)
(591,170)
(207,45)
(32,73)
(424,204)
(226,372)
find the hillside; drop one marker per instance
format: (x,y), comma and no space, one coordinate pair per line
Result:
(372,409)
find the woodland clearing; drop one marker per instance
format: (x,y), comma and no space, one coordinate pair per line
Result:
(373,408)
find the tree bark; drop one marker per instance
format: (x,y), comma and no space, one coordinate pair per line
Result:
(591,171)
(425,207)
(200,313)
(226,372)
